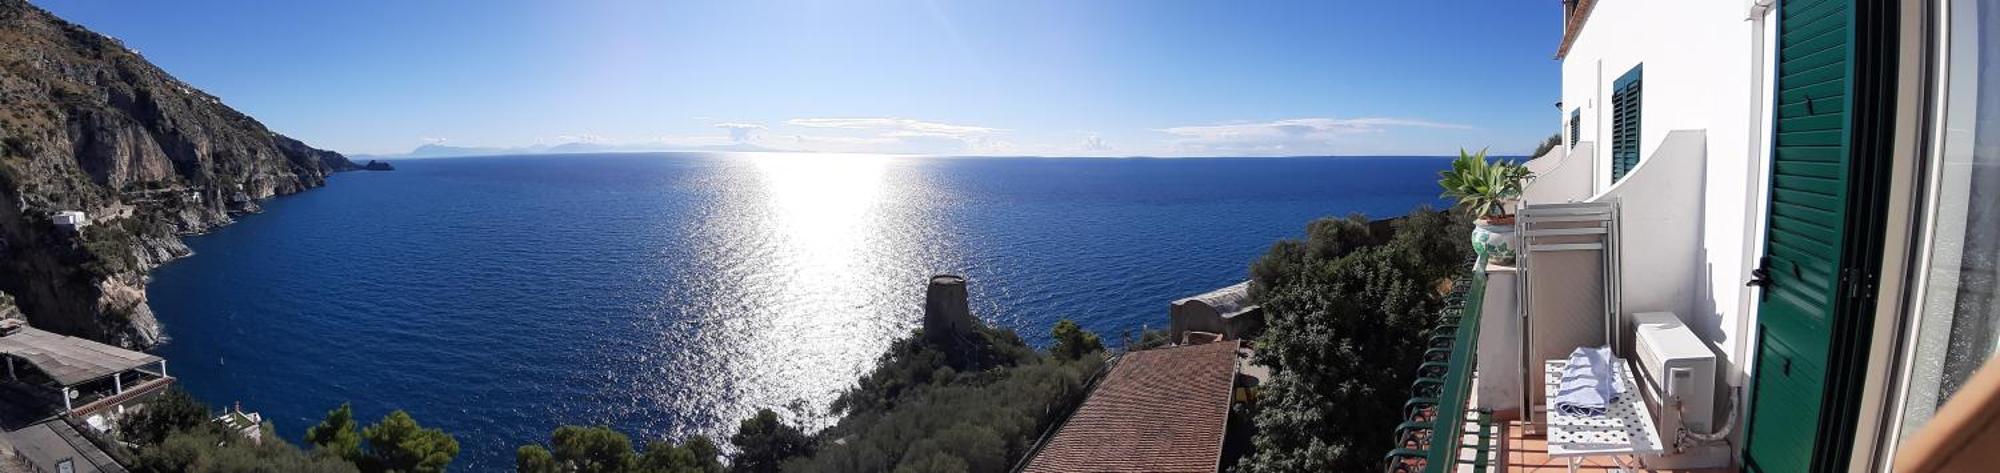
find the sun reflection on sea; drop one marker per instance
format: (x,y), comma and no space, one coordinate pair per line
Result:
(806,293)
(823,206)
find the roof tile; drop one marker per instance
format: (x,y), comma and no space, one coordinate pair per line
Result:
(1161,410)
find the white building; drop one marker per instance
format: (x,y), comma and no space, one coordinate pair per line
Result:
(1226,313)
(71,220)
(1813,187)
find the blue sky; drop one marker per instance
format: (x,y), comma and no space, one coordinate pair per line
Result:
(1056,78)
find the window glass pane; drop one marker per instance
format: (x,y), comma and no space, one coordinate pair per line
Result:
(1959,319)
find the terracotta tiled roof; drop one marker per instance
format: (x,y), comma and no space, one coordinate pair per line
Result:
(1162,410)
(1573,25)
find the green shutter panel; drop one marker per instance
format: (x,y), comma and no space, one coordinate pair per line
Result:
(1575,125)
(1805,236)
(1625,98)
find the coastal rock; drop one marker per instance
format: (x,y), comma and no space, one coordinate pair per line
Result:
(374,165)
(88,125)
(8,311)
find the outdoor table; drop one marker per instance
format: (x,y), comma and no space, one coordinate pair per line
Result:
(1625,430)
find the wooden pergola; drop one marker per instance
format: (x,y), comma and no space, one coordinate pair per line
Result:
(70,363)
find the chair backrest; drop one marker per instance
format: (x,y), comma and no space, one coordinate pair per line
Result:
(1568,254)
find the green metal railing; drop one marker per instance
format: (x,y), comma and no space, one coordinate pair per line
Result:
(1432,435)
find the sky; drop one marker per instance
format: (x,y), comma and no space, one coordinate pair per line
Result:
(1047,78)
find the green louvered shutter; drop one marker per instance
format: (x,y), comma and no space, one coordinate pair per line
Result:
(1625,98)
(1822,237)
(1575,125)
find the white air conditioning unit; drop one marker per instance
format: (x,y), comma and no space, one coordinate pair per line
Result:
(1676,364)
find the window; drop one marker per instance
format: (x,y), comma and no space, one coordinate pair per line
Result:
(1625,124)
(1958,316)
(1575,125)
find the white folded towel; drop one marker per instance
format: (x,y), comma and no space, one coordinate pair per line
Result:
(1589,383)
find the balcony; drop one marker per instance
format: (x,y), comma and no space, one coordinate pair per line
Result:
(1468,438)
(1439,430)
(1582,290)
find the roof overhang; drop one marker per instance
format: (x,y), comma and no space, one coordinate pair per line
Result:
(71,361)
(1573,25)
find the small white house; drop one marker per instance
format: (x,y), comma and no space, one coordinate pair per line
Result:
(1226,312)
(71,220)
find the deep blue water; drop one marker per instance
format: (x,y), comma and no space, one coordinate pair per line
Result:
(671,294)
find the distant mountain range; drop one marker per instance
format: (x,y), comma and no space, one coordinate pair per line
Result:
(448,151)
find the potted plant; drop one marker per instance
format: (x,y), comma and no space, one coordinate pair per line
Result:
(1485,189)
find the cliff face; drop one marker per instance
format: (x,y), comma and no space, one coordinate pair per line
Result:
(88,125)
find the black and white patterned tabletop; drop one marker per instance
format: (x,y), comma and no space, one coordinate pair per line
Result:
(1626,428)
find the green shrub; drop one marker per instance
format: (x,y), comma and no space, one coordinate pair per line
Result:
(398,444)
(1547,144)
(206,450)
(335,435)
(1072,341)
(1345,331)
(764,442)
(603,450)
(172,411)
(173,433)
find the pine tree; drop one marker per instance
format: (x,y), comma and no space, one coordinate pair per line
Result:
(335,435)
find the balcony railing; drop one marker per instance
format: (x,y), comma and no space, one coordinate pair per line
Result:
(1432,437)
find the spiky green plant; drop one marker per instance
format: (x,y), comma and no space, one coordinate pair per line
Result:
(1482,187)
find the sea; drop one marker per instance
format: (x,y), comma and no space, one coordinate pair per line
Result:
(673,294)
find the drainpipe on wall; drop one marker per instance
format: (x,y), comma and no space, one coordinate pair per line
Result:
(1598,132)
(1753,186)
(1753,223)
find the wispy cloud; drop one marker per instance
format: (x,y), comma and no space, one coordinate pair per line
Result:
(1297,136)
(1093,143)
(571,138)
(900,126)
(905,135)
(1292,135)
(741,132)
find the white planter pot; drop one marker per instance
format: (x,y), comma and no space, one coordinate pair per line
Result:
(1496,242)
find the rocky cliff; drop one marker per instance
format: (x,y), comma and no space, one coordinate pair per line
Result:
(88,125)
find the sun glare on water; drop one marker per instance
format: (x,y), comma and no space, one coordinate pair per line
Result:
(824,206)
(806,287)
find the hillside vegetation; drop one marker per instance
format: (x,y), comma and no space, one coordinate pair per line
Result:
(1348,309)
(174,434)
(917,411)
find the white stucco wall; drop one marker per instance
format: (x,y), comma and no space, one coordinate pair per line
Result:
(1700,74)
(1660,221)
(1499,384)
(1706,67)
(1563,178)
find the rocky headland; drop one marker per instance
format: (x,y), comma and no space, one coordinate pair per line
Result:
(89,126)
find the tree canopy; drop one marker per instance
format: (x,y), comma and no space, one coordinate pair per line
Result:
(335,435)
(763,443)
(1547,144)
(599,449)
(173,433)
(1072,341)
(398,444)
(172,411)
(1347,313)
(923,416)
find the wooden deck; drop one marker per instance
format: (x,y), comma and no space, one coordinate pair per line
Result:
(143,390)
